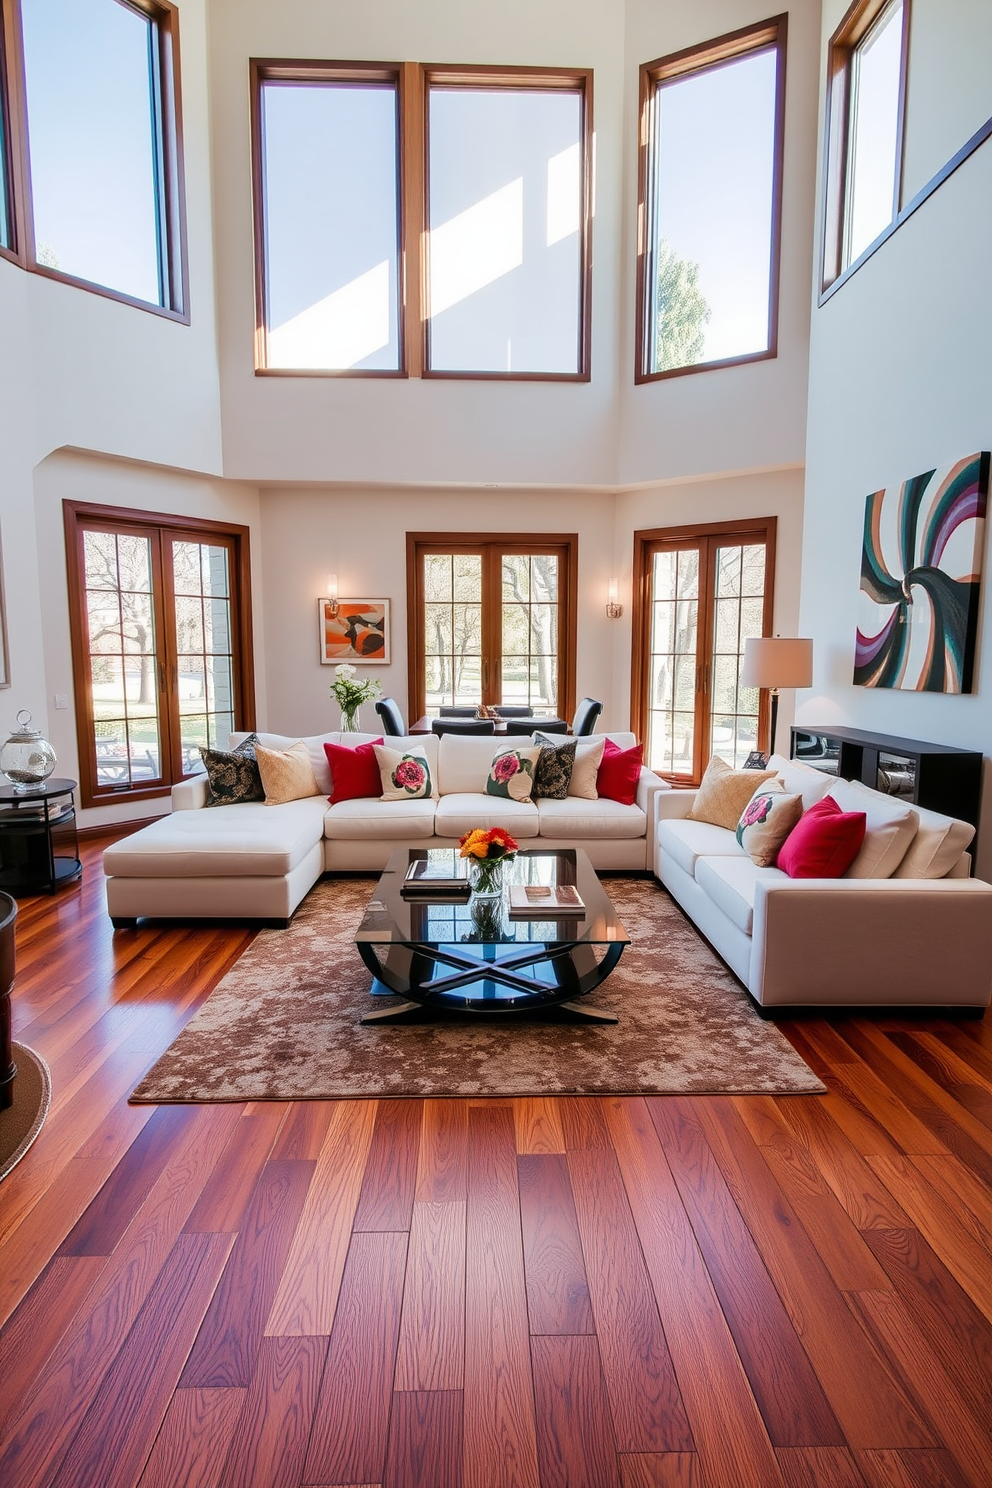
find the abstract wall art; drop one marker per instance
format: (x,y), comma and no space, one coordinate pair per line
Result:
(921,574)
(358,631)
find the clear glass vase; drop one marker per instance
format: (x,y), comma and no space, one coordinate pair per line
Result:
(486,877)
(350,721)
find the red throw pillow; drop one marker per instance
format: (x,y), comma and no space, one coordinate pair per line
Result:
(619,773)
(354,772)
(824,842)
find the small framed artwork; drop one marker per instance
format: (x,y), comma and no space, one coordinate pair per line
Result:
(354,630)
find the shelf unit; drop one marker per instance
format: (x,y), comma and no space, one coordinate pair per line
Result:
(938,777)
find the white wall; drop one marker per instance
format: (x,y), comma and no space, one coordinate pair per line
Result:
(948,92)
(734,418)
(900,382)
(361,535)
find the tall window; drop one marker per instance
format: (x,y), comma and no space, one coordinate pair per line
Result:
(414,220)
(161,646)
(101,145)
(712,123)
(6,204)
(699,594)
(492,620)
(329,218)
(506,220)
(866,103)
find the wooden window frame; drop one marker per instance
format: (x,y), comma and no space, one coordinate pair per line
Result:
(706,57)
(80,517)
(170,190)
(564,544)
(516,79)
(413,81)
(743,530)
(842,50)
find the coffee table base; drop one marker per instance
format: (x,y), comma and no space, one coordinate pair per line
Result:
(412,972)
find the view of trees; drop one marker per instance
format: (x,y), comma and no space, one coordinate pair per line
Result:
(681,310)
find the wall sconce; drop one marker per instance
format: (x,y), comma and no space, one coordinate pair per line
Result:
(332,594)
(614,609)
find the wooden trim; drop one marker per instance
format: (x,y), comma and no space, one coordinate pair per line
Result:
(119,828)
(80,517)
(491,546)
(708,537)
(857,23)
(18,179)
(983,133)
(706,57)
(411,151)
(501,79)
(262,70)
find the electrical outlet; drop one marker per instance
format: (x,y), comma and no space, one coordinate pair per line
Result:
(61,700)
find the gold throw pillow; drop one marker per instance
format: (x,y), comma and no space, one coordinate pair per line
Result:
(287,774)
(723,793)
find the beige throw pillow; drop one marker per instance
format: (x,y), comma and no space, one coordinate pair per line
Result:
(723,793)
(766,821)
(287,774)
(588,758)
(889,828)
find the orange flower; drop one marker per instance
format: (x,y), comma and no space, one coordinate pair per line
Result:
(496,843)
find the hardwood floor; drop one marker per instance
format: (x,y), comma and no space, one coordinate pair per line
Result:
(717,1292)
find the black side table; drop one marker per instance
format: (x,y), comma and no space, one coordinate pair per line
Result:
(39,844)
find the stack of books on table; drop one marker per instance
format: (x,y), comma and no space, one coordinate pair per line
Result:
(441,875)
(545,902)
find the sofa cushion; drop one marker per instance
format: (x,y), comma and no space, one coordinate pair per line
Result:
(937,846)
(723,793)
(730,883)
(766,821)
(459,812)
(511,772)
(315,748)
(368,817)
(889,828)
(247,841)
(404,774)
(463,762)
(584,820)
(800,779)
(287,774)
(687,841)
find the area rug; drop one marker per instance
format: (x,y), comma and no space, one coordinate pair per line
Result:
(283,1024)
(21,1122)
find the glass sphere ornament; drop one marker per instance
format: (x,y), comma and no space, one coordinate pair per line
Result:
(26,758)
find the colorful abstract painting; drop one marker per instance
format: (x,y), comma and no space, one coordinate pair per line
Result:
(921,572)
(359,631)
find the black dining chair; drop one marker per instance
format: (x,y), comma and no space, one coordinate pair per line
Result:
(393,722)
(529,725)
(462,726)
(586,714)
(449,712)
(514,710)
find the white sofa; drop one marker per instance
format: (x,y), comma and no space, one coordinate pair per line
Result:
(255,861)
(899,941)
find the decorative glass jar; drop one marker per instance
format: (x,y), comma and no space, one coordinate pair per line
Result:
(486,877)
(27,759)
(350,721)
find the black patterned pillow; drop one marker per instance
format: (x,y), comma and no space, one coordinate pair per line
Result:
(233,777)
(554,767)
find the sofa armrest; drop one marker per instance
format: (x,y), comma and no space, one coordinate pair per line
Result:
(190,795)
(673,804)
(894,941)
(648,786)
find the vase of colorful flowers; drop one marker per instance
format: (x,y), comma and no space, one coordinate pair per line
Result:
(351,695)
(487,851)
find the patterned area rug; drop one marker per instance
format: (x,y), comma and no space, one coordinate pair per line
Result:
(284,1024)
(21,1122)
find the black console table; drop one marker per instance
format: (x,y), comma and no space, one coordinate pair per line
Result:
(935,776)
(39,845)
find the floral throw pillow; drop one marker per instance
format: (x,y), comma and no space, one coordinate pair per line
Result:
(766,822)
(404,775)
(553,775)
(232,775)
(511,774)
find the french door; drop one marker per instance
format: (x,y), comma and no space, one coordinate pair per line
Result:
(699,593)
(161,646)
(491,620)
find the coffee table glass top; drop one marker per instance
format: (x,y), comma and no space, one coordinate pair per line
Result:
(392,920)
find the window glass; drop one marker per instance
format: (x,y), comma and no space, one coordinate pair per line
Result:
(5,232)
(505,221)
(530,631)
(205,648)
(873,132)
(94,142)
(711,191)
(331,225)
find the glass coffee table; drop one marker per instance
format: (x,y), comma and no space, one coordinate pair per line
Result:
(470,956)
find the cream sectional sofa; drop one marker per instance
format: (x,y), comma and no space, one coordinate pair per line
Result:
(921,936)
(255,861)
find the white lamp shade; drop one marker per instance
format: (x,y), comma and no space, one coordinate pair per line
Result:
(777,661)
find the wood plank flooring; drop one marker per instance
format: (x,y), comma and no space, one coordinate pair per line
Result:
(718,1292)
